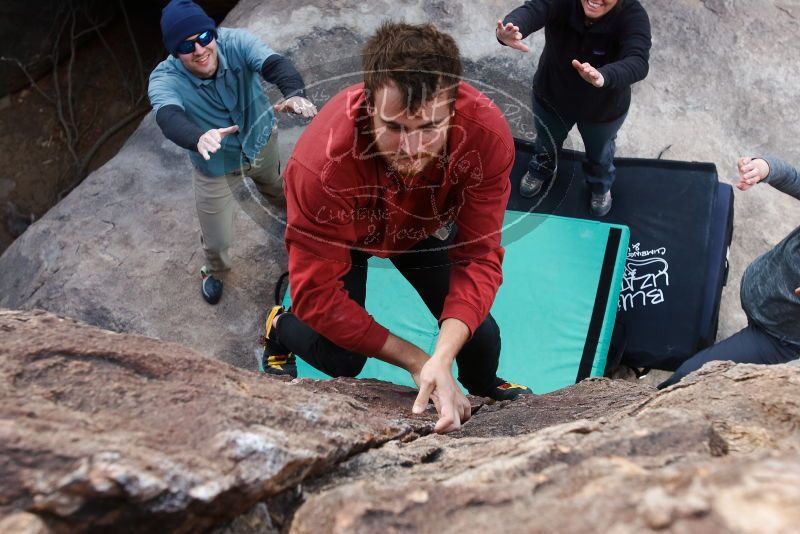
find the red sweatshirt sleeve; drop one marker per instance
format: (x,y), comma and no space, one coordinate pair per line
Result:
(477,253)
(319,238)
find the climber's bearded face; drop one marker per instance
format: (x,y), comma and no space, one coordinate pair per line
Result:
(409,141)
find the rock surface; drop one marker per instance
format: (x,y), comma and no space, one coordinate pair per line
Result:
(102,430)
(719,453)
(116,432)
(122,251)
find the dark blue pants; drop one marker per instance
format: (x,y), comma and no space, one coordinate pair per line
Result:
(427,268)
(750,345)
(598,138)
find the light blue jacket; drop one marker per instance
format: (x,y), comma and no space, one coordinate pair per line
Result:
(234,96)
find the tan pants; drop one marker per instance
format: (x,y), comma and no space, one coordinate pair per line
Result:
(215,201)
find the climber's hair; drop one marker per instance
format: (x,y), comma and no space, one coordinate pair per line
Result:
(418,58)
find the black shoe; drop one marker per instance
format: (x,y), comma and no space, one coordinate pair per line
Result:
(503,390)
(600,204)
(276,360)
(210,287)
(280,364)
(530,186)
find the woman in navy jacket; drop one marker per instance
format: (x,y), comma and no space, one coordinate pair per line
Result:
(594,51)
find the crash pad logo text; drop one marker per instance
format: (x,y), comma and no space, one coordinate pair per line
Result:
(646,275)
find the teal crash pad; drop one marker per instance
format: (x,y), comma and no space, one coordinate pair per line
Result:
(555,309)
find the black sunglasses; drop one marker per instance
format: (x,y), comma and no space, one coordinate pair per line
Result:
(187,46)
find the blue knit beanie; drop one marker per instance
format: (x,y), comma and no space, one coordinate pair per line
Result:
(180,19)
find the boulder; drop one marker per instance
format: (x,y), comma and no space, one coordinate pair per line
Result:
(102,431)
(122,251)
(717,453)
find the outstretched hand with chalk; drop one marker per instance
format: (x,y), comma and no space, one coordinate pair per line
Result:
(211,141)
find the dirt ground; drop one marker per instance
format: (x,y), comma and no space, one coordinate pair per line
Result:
(36,169)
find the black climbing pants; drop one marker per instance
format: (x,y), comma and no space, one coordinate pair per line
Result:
(427,268)
(749,345)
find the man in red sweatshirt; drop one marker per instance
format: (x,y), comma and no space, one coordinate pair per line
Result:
(412,165)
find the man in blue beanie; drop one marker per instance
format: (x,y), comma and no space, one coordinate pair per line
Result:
(208,99)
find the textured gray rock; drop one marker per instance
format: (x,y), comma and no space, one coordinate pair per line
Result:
(719,453)
(122,250)
(106,431)
(103,430)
